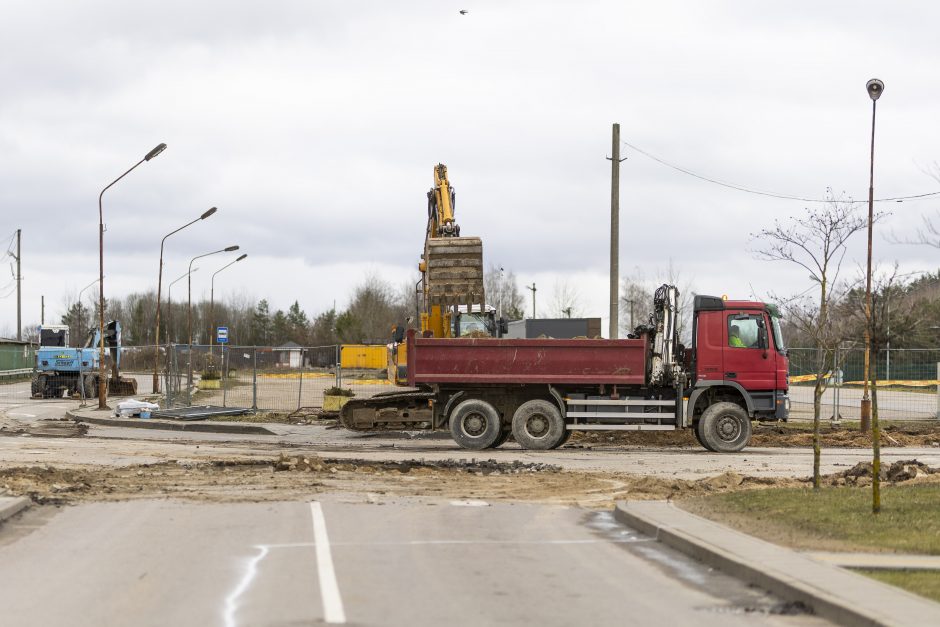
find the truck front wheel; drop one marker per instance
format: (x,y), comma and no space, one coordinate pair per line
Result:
(725,428)
(538,425)
(475,425)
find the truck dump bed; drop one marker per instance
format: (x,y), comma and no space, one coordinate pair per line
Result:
(509,361)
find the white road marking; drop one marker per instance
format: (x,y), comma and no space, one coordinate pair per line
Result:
(231,601)
(329,589)
(469,503)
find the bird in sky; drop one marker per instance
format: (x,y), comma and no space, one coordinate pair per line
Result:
(464,11)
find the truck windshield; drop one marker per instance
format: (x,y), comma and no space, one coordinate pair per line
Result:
(778,335)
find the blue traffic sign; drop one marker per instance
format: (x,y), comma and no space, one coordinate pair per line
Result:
(221,335)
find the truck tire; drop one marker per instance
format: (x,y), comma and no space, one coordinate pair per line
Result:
(90,385)
(537,425)
(697,430)
(725,428)
(503,437)
(475,425)
(37,386)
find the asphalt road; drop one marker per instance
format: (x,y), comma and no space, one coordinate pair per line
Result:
(345,560)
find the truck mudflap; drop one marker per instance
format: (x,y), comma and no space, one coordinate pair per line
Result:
(387,410)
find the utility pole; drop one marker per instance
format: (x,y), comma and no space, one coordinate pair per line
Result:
(615,232)
(19,291)
(42,309)
(532,289)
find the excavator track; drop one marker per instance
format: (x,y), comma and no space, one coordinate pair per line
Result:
(455,271)
(390,409)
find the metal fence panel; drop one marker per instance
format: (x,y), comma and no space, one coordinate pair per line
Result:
(908,387)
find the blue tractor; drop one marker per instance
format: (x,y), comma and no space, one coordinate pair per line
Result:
(61,369)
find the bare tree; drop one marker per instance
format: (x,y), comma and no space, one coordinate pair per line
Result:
(502,292)
(816,242)
(566,300)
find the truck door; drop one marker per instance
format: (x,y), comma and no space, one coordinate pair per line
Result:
(748,358)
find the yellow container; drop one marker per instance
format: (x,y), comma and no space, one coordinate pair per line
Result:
(364,356)
(210,384)
(334,403)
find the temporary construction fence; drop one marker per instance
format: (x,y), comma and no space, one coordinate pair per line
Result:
(908,383)
(267,378)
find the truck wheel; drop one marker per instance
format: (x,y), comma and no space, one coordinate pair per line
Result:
(725,428)
(503,436)
(475,425)
(697,430)
(538,425)
(91,386)
(37,385)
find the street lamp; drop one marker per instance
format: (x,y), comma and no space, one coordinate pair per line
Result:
(169,301)
(875,88)
(102,373)
(81,318)
(189,305)
(156,353)
(212,298)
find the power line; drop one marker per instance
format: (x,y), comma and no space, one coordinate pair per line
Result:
(741,188)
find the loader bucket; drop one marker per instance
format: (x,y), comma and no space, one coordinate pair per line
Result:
(455,271)
(122,387)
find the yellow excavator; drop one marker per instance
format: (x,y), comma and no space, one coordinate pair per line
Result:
(451,278)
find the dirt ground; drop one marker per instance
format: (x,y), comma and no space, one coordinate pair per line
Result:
(786,435)
(287,477)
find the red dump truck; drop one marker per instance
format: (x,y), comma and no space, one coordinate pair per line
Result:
(540,390)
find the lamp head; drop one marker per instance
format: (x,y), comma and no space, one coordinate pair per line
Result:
(208,213)
(231,249)
(874,87)
(242,256)
(156,151)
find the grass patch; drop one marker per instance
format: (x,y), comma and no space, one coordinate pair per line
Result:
(925,583)
(833,519)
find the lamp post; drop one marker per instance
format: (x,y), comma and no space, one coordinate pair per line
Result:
(169,301)
(81,333)
(499,294)
(102,372)
(875,87)
(189,305)
(212,297)
(156,335)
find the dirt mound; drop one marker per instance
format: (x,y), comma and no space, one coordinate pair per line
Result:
(898,472)
(314,463)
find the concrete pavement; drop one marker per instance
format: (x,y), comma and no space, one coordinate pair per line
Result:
(376,561)
(839,595)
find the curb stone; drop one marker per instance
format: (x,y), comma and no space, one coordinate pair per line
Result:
(11,506)
(172,426)
(833,593)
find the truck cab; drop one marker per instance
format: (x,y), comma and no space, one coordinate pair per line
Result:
(738,355)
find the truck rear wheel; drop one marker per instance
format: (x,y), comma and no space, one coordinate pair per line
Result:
(538,425)
(475,425)
(725,428)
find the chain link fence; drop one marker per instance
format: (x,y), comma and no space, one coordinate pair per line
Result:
(278,379)
(908,383)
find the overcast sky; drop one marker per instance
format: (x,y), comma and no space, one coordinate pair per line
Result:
(314,127)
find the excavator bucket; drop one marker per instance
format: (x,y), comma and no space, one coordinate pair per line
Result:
(455,271)
(122,386)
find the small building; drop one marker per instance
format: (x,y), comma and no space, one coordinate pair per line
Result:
(288,355)
(558,328)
